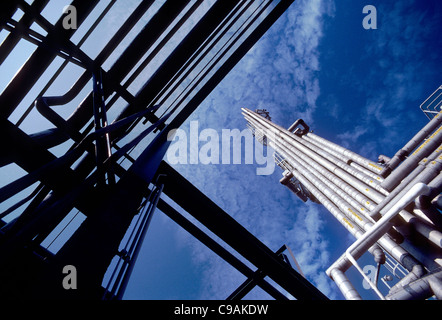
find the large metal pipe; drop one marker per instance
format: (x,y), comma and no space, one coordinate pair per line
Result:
(366,163)
(364,204)
(422,288)
(425,149)
(346,287)
(339,197)
(336,205)
(378,230)
(344,158)
(367,190)
(386,242)
(335,198)
(412,144)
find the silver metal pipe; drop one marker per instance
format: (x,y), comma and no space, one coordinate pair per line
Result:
(343,165)
(425,149)
(367,190)
(431,171)
(366,163)
(381,226)
(412,144)
(346,287)
(421,288)
(348,210)
(367,204)
(343,157)
(344,201)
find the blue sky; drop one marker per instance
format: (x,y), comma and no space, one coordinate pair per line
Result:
(359,88)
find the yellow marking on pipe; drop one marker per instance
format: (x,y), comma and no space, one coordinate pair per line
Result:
(375,166)
(348,222)
(427,141)
(355,214)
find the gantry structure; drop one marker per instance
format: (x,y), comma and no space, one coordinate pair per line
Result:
(92,155)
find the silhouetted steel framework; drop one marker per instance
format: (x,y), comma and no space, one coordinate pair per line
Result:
(392,208)
(107,164)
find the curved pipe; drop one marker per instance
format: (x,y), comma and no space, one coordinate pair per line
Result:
(297,123)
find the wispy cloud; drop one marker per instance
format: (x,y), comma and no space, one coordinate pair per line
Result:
(279,74)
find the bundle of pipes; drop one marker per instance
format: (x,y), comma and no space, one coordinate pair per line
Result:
(364,199)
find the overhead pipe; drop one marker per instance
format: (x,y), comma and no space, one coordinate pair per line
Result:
(345,158)
(422,288)
(412,144)
(341,199)
(381,226)
(335,206)
(430,172)
(335,198)
(403,254)
(329,158)
(407,166)
(378,230)
(365,204)
(345,285)
(360,175)
(355,182)
(366,163)
(349,212)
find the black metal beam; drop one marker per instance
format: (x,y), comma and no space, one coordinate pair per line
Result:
(217,248)
(235,235)
(39,61)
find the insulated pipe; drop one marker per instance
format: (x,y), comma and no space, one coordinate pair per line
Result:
(371,236)
(366,163)
(358,184)
(361,176)
(381,226)
(433,142)
(336,199)
(422,288)
(406,182)
(346,287)
(396,251)
(423,229)
(368,180)
(343,157)
(431,172)
(332,203)
(386,242)
(412,144)
(355,195)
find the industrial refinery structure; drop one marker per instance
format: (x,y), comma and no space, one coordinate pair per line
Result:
(83,169)
(391,207)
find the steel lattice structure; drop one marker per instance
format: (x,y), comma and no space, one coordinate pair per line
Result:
(104,159)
